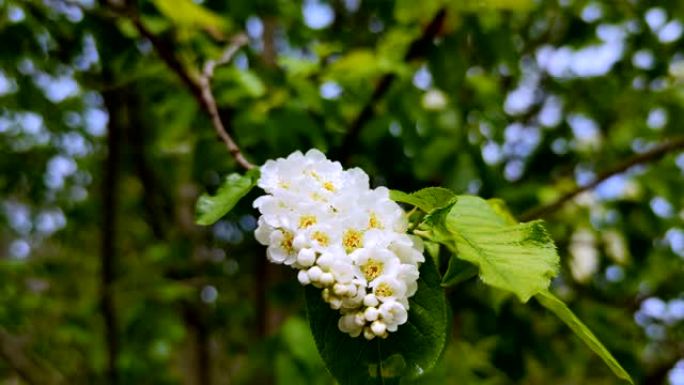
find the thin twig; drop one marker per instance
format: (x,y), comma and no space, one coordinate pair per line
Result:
(210,102)
(649,156)
(200,88)
(417,49)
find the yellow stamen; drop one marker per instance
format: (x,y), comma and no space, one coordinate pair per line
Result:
(374,222)
(372,269)
(383,290)
(329,186)
(306,221)
(352,239)
(286,243)
(321,238)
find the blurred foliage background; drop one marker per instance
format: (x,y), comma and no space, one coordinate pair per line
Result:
(104,148)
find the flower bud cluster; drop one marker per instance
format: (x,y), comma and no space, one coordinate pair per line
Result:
(342,237)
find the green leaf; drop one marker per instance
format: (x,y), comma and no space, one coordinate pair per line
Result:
(188,14)
(210,209)
(518,258)
(407,353)
(427,199)
(458,271)
(557,307)
(501,209)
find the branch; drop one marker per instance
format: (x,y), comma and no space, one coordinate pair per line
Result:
(199,88)
(210,102)
(649,156)
(418,48)
(114,102)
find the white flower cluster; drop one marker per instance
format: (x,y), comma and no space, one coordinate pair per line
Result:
(343,237)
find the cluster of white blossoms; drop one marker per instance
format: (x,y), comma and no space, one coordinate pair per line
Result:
(343,237)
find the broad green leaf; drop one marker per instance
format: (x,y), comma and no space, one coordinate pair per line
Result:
(427,199)
(432,249)
(210,209)
(407,353)
(458,271)
(557,307)
(501,209)
(297,337)
(188,14)
(518,258)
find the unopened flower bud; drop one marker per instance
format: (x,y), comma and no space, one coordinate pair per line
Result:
(371,314)
(303,277)
(315,273)
(306,257)
(370,300)
(359,319)
(327,279)
(340,289)
(299,242)
(368,333)
(378,327)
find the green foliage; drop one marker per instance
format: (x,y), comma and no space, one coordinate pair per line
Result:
(518,258)
(186,13)
(197,304)
(561,310)
(299,362)
(411,351)
(210,208)
(427,199)
(458,271)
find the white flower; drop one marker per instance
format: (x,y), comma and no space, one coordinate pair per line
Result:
(323,237)
(280,249)
(388,288)
(408,249)
(372,263)
(342,237)
(393,314)
(409,275)
(348,325)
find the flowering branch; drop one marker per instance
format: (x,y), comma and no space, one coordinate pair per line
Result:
(649,156)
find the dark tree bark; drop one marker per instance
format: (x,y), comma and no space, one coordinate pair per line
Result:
(114,102)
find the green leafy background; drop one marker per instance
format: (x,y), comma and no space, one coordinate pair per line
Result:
(501,103)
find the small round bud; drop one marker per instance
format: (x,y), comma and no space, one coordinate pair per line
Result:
(351,290)
(371,314)
(379,328)
(368,333)
(326,259)
(315,273)
(299,242)
(327,279)
(340,289)
(303,277)
(359,319)
(306,257)
(335,303)
(370,300)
